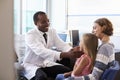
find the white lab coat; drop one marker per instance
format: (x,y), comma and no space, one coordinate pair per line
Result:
(39,54)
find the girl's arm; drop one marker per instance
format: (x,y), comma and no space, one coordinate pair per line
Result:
(78,68)
(67,74)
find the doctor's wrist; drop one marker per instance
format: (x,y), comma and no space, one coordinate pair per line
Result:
(65,55)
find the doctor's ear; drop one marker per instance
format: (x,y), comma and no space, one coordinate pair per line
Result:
(38,24)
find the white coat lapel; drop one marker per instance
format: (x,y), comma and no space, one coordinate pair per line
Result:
(40,35)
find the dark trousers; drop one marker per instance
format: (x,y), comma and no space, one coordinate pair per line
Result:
(50,72)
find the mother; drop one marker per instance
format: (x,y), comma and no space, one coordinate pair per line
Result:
(103,29)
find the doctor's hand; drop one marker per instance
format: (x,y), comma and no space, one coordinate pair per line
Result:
(76,52)
(73,53)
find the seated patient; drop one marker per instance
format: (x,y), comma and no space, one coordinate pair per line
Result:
(85,63)
(103,29)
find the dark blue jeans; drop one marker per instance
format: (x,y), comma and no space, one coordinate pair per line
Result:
(60,77)
(44,73)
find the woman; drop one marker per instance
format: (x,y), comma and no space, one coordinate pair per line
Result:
(103,29)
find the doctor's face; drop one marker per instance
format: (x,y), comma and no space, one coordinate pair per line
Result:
(43,23)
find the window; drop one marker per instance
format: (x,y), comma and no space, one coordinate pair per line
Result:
(58,15)
(64,16)
(84,12)
(23,14)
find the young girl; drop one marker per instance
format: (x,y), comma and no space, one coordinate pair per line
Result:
(84,64)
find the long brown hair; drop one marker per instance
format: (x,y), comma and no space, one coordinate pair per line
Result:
(90,42)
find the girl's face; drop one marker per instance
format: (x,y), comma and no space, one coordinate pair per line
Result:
(81,44)
(97,30)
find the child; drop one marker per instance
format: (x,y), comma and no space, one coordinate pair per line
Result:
(84,64)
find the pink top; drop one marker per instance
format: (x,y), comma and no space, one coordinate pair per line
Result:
(86,69)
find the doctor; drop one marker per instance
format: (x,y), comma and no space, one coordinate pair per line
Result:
(40,60)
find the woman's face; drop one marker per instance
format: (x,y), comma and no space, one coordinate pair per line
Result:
(97,30)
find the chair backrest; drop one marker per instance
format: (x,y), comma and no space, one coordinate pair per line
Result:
(19,43)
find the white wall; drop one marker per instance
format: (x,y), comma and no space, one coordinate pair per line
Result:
(116,41)
(6,40)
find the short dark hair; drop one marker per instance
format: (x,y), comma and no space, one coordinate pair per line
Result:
(108,27)
(35,17)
